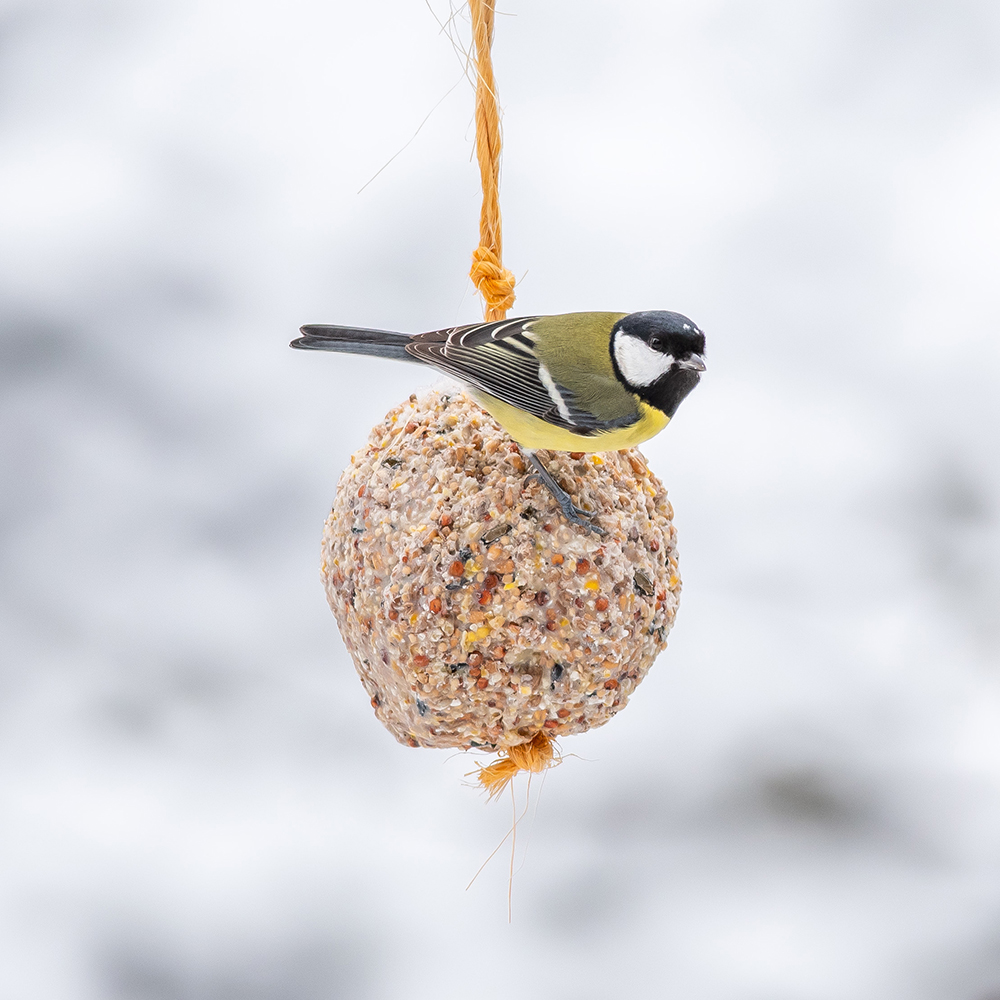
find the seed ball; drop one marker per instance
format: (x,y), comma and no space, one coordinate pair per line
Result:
(476,615)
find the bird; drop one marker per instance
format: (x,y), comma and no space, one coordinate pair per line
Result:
(576,382)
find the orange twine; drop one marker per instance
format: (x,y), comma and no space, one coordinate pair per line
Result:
(492,280)
(534,756)
(496,285)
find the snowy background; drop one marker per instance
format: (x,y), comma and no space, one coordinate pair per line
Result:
(802,802)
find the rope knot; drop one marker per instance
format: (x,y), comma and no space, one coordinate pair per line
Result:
(534,756)
(493,281)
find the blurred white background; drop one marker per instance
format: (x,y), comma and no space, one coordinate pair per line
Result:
(802,801)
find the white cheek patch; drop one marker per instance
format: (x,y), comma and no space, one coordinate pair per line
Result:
(638,362)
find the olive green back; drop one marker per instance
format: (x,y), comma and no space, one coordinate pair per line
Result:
(575,348)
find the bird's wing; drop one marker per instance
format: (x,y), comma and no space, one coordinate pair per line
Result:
(499,358)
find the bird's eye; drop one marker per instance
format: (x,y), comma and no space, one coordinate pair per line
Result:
(656,343)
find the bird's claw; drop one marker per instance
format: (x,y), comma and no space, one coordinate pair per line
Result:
(584,518)
(572,513)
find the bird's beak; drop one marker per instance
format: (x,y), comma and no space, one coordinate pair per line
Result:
(695,363)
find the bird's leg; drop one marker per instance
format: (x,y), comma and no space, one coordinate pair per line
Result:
(570,510)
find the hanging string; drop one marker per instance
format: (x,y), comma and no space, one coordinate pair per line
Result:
(493,281)
(496,285)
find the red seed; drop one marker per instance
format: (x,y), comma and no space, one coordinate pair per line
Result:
(420,660)
(562,713)
(499,652)
(445,520)
(601,604)
(412,741)
(583,566)
(551,724)
(577,454)
(492,581)
(475,660)
(393,614)
(475,672)
(375,702)
(551,626)
(485,597)
(611,684)
(411,427)
(654,546)
(457,568)
(542,598)
(361,492)
(482,683)
(558,560)
(435,606)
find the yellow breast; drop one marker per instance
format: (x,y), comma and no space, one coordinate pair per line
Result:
(533,433)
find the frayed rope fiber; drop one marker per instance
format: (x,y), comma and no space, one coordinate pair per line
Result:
(534,756)
(492,280)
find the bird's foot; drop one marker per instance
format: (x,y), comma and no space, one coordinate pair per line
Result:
(584,518)
(572,513)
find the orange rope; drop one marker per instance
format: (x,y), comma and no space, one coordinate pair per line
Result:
(536,755)
(493,281)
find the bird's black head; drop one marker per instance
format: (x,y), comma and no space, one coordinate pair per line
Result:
(659,356)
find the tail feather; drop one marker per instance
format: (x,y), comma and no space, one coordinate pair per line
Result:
(354,340)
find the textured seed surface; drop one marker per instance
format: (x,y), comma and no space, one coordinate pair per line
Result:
(498,531)
(475,614)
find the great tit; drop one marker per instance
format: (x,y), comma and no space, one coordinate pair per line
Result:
(587,381)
